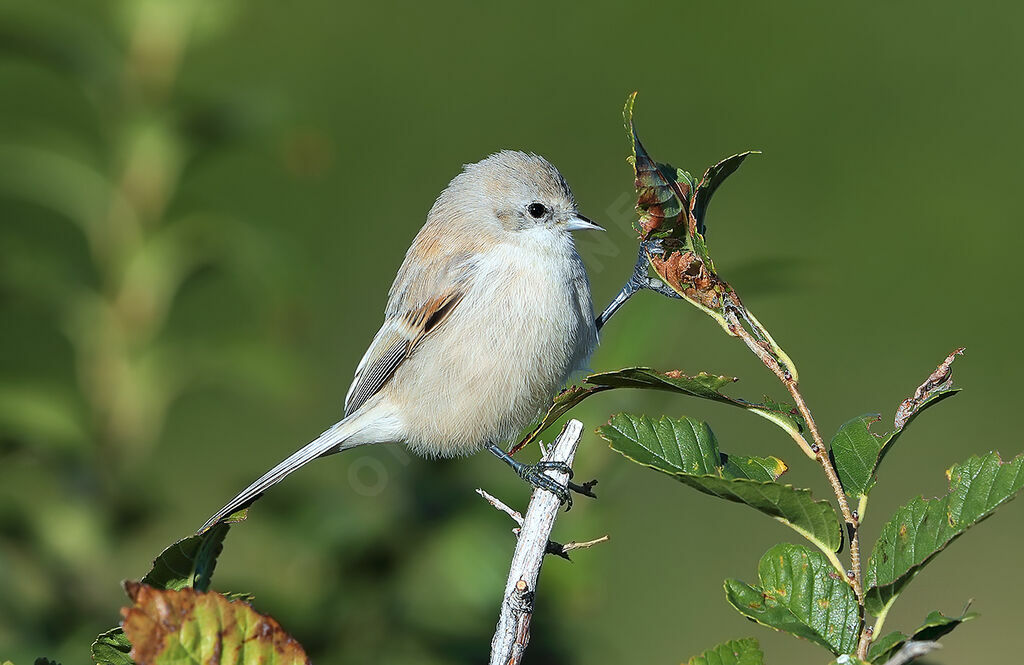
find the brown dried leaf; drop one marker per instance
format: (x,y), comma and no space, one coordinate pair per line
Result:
(939,384)
(188,626)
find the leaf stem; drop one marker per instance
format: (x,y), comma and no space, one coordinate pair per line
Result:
(764,351)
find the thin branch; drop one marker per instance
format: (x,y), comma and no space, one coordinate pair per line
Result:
(512,633)
(851,518)
(516,516)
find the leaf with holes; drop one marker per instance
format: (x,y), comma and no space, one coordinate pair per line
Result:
(687,450)
(802,594)
(734,652)
(924,527)
(190,627)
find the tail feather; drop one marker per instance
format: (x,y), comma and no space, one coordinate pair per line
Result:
(331,441)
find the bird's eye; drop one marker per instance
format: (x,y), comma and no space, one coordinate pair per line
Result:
(536,210)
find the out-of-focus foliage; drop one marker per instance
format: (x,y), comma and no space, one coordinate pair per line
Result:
(191,264)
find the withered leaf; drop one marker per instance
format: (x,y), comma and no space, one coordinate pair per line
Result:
(183,627)
(938,385)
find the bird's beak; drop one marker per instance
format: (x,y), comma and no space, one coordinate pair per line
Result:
(581,223)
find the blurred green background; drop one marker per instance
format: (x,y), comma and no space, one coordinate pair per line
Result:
(203,203)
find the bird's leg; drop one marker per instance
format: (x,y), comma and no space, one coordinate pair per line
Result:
(637,282)
(534,474)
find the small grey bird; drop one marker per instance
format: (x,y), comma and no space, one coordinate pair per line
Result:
(488,316)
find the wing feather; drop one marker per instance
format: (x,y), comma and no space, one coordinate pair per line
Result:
(396,341)
(433,280)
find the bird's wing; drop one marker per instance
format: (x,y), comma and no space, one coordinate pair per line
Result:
(396,341)
(424,295)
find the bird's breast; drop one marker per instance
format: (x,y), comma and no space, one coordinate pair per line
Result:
(524,325)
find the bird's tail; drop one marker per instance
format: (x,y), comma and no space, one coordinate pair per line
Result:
(337,438)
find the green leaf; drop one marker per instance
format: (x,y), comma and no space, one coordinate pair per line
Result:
(734,652)
(189,627)
(687,450)
(562,404)
(703,385)
(802,594)
(857,451)
(935,625)
(924,527)
(714,177)
(190,561)
(112,648)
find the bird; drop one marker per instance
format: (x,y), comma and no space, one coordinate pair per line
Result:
(489,315)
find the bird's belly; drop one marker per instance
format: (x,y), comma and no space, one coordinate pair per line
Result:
(506,350)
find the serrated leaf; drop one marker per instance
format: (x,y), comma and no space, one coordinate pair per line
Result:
(714,177)
(190,561)
(924,527)
(765,469)
(935,625)
(687,450)
(112,648)
(190,627)
(802,594)
(703,385)
(734,652)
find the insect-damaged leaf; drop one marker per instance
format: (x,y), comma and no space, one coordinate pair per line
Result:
(857,451)
(703,385)
(802,594)
(687,450)
(734,652)
(937,386)
(935,625)
(663,192)
(188,563)
(189,627)
(922,528)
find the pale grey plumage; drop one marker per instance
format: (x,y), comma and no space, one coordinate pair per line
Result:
(488,316)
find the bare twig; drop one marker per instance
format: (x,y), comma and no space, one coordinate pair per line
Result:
(512,633)
(516,516)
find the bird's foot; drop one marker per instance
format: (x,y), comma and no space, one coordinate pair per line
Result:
(536,476)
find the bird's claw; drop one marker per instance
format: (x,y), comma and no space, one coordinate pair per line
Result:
(536,476)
